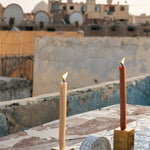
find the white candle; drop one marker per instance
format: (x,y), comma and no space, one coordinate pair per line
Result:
(62,111)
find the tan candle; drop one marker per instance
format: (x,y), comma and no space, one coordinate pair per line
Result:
(122,69)
(62,112)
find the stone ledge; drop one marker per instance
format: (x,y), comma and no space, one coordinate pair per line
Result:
(78,127)
(30,112)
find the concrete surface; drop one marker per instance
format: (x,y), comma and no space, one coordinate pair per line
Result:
(89,60)
(26,113)
(14,88)
(98,122)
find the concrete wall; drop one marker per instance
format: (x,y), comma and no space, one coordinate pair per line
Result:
(26,113)
(89,60)
(13,88)
(23,42)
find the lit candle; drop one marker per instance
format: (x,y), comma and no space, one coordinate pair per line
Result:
(122,70)
(62,111)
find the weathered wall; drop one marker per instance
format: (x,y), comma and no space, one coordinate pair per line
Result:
(26,113)
(89,60)
(13,88)
(22,43)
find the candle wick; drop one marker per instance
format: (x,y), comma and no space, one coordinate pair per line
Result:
(64,80)
(121,65)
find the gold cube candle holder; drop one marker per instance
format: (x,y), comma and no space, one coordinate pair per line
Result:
(124,139)
(65,148)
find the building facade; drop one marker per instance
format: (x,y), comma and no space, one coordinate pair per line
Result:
(90,9)
(142,19)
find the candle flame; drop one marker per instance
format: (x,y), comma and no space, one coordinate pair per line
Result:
(64,76)
(122,61)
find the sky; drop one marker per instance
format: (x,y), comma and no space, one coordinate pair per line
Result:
(136,7)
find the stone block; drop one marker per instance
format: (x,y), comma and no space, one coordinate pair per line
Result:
(124,139)
(3,125)
(95,143)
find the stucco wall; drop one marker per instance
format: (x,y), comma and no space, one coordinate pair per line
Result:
(26,113)
(89,60)
(13,88)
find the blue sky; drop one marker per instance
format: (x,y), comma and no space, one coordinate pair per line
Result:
(136,6)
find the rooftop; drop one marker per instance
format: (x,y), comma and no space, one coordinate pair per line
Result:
(98,122)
